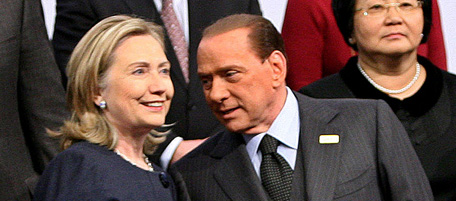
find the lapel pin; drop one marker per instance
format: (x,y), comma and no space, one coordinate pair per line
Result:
(329,139)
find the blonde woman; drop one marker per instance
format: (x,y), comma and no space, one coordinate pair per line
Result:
(119,91)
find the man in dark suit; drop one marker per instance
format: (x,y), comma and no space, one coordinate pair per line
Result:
(31,98)
(194,119)
(338,149)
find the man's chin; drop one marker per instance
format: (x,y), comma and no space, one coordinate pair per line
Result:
(234,126)
(238,127)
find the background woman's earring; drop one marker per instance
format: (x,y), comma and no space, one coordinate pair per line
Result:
(422,35)
(102,104)
(351,41)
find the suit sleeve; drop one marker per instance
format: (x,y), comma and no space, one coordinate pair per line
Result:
(41,94)
(313,43)
(436,46)
(302,32)
(181,188)
(402,176)
(255,7)
(73,20)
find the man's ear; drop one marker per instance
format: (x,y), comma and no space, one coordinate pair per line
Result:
(278,64)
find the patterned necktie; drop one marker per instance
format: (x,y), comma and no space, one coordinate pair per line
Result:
(275,172)
(176,34)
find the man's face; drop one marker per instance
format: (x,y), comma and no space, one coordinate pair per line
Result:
(239,87)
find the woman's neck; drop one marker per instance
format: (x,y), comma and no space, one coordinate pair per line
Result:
(132,147)
(394,72)
(389,65)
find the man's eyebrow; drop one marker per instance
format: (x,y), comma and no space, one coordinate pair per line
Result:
(222,69)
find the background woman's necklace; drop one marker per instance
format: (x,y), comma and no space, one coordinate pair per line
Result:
(149,164)
(390,91)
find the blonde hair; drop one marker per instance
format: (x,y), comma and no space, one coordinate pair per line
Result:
(86,71)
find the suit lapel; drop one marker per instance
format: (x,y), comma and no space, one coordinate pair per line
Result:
(144,8)
(321,161)
(235,173)
(298,184)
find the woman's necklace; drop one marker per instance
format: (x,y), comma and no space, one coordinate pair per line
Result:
(149,164)
(390,91)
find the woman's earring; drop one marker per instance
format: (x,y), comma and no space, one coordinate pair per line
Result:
(422,35)
(102,104)
(351,41)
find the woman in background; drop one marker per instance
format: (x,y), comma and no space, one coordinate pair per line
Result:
(386,35)
(119,91)
(316,49)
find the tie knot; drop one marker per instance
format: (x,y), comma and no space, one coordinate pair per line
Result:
(268,145)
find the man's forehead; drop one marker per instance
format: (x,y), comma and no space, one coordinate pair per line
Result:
(232,36)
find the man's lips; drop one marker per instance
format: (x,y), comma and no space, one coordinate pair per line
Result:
(226,112)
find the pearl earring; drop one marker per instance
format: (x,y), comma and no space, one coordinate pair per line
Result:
(422,35)
(102,104)
(351,41)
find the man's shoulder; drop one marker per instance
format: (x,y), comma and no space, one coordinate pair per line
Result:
(338,104)
(342,112)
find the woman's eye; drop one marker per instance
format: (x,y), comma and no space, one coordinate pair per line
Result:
(377,7)
(406,5)
(139,71)
(165,71)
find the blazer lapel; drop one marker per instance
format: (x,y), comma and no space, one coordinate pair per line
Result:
(299,181)
(144,8)
(321,161)
(235,173)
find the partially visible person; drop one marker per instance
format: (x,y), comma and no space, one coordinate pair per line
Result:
(316,48)
(387,36)
(317,149)
(119,92)
(193,118)
(31,98)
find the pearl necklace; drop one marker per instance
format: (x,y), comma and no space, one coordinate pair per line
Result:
(149,164)
(390,91)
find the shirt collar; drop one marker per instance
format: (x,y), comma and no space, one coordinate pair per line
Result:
(285,127)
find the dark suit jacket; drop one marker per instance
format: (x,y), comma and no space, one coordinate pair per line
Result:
(373,161)
(188,108)
(31,98)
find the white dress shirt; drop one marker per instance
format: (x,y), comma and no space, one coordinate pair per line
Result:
(285,129)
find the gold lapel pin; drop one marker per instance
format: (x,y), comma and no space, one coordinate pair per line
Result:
(329,139)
